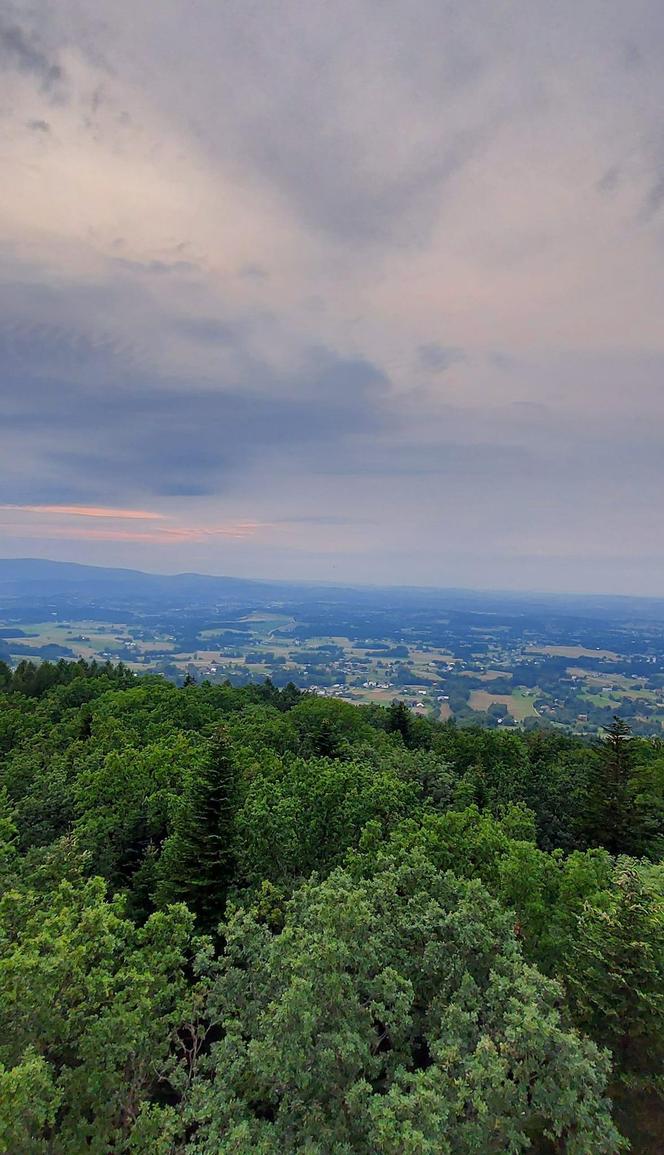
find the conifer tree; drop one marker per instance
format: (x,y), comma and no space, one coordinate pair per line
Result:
(198,859)
(614,972)
(290,696)
(400,721)
(609,804)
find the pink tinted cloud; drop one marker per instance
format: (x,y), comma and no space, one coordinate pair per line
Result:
(161,536)
(89,511)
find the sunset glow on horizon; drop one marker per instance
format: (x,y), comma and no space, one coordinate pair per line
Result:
(89,511)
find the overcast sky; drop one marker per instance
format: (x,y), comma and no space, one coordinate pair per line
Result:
(369,291)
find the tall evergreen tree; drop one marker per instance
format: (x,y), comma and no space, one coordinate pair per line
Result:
(289,697)
(400,721)
(614,971)
(609,804)
(198,858)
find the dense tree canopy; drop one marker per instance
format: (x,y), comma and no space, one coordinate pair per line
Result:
(393,1013)
(237,919)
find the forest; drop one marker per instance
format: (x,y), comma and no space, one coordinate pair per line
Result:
(250,919)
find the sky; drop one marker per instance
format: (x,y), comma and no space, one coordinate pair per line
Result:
(351,291)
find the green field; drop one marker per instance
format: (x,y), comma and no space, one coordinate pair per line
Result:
(519,704)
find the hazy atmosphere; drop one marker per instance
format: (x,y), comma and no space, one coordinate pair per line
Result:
(370,292)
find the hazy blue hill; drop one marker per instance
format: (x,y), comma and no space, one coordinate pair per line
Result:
(29,577)
(36,580)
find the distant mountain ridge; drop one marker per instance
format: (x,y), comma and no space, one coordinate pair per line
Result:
(36,579)
(22,578)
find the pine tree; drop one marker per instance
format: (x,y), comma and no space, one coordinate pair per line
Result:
(400,721)
(290,696)
(610,810)
(614,973)
(198,858)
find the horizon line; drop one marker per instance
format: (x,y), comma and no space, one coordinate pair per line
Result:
(350,585)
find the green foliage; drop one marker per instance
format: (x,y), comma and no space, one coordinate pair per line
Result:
(124,801)
(392,1014)
(401,721)
(8,838)
(92,1007)
(615,972)
(546,892)
(609,813)
(305,814)
(645,789)
(327,727)
(388,1004)
(29,1103)
(35,680)
(197,865)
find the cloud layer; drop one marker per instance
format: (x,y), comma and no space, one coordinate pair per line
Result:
(333,289)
